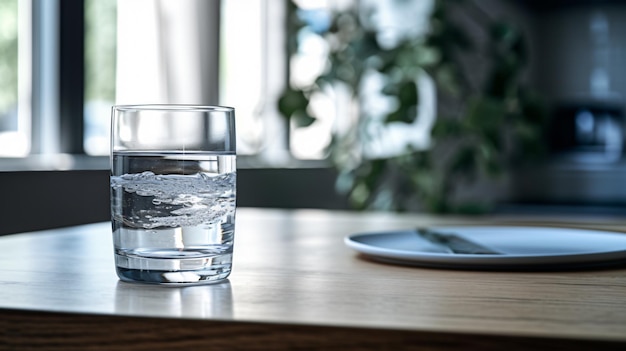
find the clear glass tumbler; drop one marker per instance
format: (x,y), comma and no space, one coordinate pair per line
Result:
(173,193)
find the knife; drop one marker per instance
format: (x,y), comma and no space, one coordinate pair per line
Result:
(455,243)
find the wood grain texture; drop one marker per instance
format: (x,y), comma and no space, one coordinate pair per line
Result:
(295,285)
(23,330)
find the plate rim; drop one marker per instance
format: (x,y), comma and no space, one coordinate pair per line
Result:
(483,260)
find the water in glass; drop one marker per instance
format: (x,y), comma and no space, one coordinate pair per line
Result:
(173,216)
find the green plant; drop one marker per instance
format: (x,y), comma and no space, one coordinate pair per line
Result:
(484,126)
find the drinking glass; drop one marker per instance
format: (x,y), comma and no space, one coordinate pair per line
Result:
(173,193)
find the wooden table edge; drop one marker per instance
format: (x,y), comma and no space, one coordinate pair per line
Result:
(36,330)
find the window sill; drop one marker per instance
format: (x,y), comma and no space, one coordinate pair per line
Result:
(67,162)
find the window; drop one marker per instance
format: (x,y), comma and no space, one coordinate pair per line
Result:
(64,63)
(254,70)
(253,74)
(304,66)
(100,59)
(13,129)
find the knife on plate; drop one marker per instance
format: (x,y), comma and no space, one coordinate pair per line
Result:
(455,243)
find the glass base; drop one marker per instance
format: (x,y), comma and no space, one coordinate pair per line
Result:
(177,272)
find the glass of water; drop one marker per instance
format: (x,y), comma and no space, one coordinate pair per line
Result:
(173,193)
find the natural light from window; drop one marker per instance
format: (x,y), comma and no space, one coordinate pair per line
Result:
(14,122)
(100,53)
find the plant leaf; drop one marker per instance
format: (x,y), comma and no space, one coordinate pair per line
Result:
(302,119)
(485,114)
(292,101)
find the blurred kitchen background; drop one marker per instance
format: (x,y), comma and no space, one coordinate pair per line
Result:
(63,63)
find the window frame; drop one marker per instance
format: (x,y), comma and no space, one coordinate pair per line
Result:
(57,82)
(71,75)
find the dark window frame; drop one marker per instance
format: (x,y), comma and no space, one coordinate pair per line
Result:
(71,75)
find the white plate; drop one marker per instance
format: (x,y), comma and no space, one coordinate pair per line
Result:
(517,247)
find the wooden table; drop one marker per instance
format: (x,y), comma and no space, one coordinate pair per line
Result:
(295,285)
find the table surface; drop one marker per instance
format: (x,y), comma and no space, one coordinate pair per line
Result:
(296,284)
